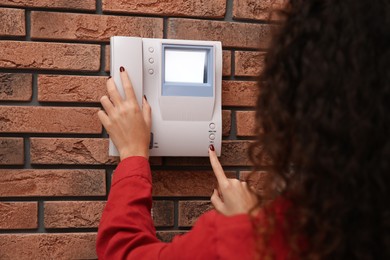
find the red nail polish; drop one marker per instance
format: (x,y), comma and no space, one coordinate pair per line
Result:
(108,77)
(145,98)
(122,69)
(212,147)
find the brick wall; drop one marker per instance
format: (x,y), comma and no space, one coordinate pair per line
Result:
(54,60)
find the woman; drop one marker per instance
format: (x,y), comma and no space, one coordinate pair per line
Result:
(323,117)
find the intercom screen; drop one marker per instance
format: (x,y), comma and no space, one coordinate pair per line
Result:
(185,66)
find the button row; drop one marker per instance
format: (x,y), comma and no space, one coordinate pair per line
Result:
(151,61)
(212,136)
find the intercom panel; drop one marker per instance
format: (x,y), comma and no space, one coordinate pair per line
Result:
(182,82)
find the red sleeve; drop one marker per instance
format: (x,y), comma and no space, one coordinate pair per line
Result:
(126,229)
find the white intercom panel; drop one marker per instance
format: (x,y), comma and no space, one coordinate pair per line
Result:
(182,82)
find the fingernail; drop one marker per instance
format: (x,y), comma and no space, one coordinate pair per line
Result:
(108,77)
(145,98)
(212,147)
(122,69)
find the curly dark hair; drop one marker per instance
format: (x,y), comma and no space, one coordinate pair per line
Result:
(323,120)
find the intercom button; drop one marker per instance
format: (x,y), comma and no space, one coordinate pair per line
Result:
(212,126)
(151,71)
(151,60)
(212,136)
(151,50)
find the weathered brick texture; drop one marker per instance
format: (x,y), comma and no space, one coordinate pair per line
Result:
(11,150)
(49,120)
(32,182)
(87,214)
(248,63)
(52,4)
(61,88)
(257,10)
(18,215)
(226,122)
(91,151)
(15,86)
(70,151)
(163,213)
(89,27)
(189,211)
(239,93)
(48,246)
(241,35)
(12,22)
(246,123)
(185,183)
(73,214)
(210,9)
(50,56)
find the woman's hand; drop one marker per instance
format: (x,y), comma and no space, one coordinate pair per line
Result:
(128,125)
(233,196)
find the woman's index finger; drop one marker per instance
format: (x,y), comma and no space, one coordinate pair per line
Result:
(127,86)
(217,168)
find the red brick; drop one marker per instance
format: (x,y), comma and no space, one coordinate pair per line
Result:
(226,122)
(31,182)
(234,153)
(70,151)
(48,246)
(73,214)
(237,35)
(256,10)
(15,86)
(239,93)
(18,215)
(53,4)
(246,123)
(61,88)
(87,214)
(197,8)
(167,236)
(11,151)
(50,56)
(74,151)
(24,119)
(249,63)
(107,58)
(185,183)
(163,213)
(190,211)
(12,22)
(90,27)
(226,61)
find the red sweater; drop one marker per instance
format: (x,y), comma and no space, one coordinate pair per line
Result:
(126,229)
